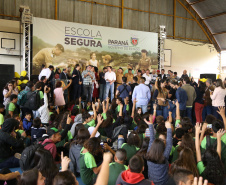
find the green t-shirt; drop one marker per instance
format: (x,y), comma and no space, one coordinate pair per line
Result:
(1,119)
(175,154)
(200,167)
(131,150)
(114,170)
(177,122)
(90,124)
(87,163)
(41,95)
(104,115)
(126,71)
(12,107)
(213,142)
(66,139)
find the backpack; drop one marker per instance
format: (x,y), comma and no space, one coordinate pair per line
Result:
(124,88)
(27,156)
(33,101)
(21,98)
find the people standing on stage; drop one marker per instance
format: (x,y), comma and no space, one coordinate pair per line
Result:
(147,77)
(76,82)
(102,89)
(96,84)
(142,95)
(88,77)
(110,78)
(129,76)
(119,76)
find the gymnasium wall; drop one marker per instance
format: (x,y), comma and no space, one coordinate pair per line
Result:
(196,59)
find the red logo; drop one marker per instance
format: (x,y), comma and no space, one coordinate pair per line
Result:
(134,41)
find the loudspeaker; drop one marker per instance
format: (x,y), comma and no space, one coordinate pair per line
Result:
(213,77)
(6,75)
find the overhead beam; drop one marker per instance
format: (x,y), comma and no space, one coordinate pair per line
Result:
(195,2)
(218,33)
(213,41)
(56,6)
(215,15)
(9,16)
(174,18)
(184,38)
(185,7)
(122,13)
(87,1)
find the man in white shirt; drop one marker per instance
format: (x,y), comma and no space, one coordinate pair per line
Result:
(147,76)
(154,75)
(110,78)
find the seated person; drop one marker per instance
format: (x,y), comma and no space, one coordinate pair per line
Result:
(9,144)
(115,168)
(54,137)
(37,130)
(134,174)
(27,123)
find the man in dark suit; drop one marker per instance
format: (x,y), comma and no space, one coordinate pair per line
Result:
(76,82)
(162,75)
(64,75)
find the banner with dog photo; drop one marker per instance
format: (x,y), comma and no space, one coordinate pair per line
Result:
(64,44)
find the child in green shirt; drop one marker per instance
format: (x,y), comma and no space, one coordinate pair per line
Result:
(11,108)
(88,166)
(132,145)
(115,168)
(89,120)
(2,108)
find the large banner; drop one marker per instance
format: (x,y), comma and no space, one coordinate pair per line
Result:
(64,44)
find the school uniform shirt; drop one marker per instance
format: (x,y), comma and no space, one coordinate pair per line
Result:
(1,119)
(87,163)
(131,150)
(37,133)
(115,169)
(90,124)
(11,107)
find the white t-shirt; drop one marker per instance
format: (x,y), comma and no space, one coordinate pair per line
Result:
(110,76)
(45,72)
(147,77)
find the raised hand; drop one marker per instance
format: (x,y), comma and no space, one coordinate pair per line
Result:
(168,124)
(221,111)
(99,119)
(68,120)
(107,157)
(64,162)
(198,127)
(220,133)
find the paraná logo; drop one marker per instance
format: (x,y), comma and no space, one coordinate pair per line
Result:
(134,41)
